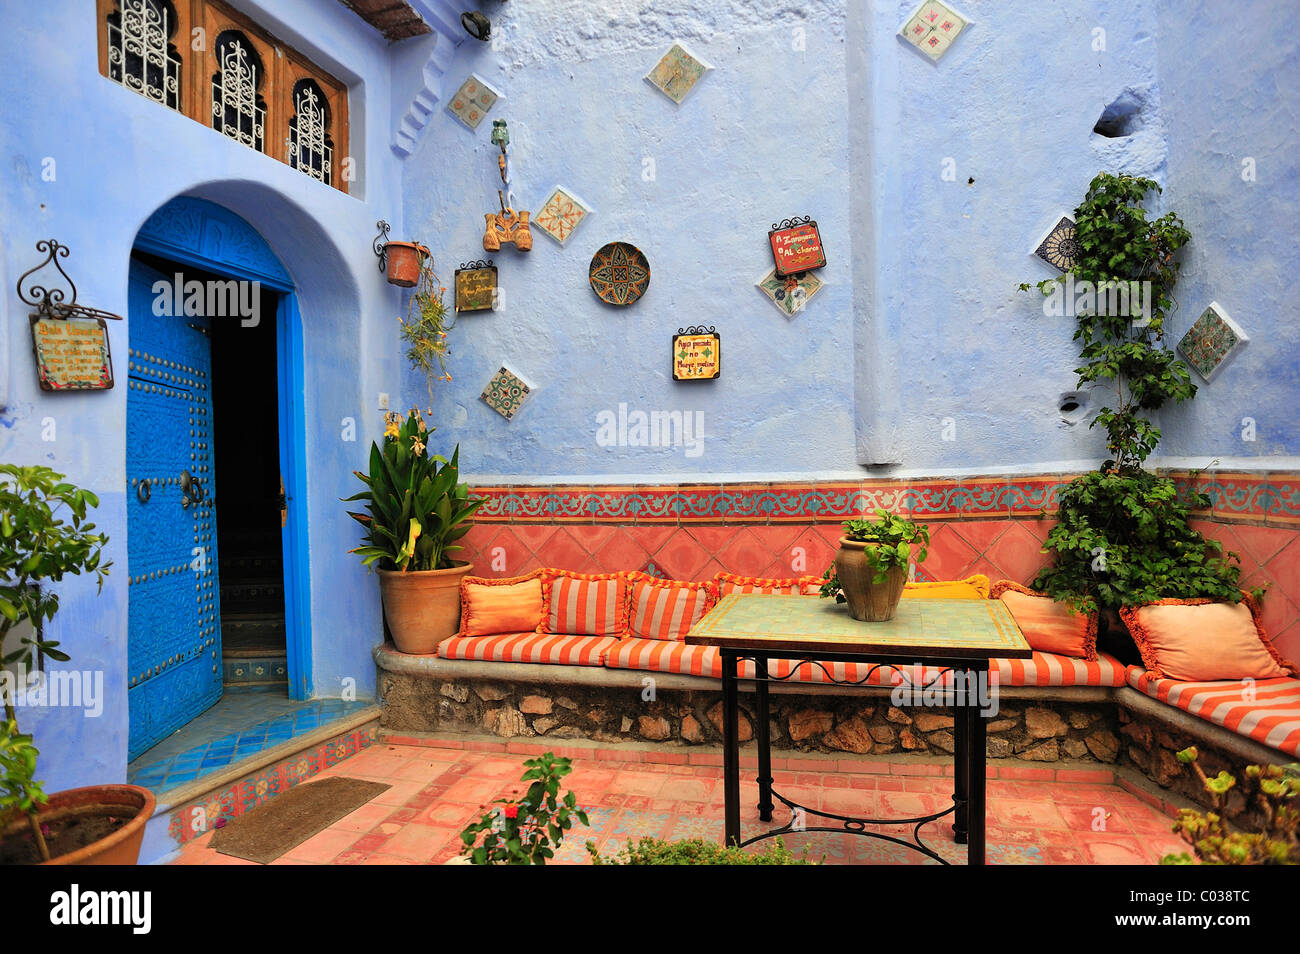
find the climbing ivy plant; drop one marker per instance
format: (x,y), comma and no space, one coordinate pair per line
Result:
(1124,536)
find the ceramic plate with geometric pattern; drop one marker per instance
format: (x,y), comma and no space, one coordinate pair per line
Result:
(1211,341)
(619,273)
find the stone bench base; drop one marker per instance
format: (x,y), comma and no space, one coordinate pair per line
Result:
(1042,725)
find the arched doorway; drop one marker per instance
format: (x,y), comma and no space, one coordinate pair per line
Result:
(215,464)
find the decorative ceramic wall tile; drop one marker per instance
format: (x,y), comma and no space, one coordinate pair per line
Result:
(506,392)
(560,214)
(1211,341)
(791,295)
(1059,247)
(676,74)
(697,353)
(933,28)
(473,101)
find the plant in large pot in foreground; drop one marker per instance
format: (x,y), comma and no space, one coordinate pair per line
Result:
(418,509)
(44,536)
(872,563)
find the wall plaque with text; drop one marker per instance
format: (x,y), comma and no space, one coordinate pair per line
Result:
(72,354)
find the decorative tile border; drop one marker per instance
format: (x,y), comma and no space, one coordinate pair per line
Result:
(1271,497)
(197,817)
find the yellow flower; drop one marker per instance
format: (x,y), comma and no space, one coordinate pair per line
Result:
(417,446)
(391,430)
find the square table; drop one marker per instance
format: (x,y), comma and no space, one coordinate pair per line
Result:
(940,647)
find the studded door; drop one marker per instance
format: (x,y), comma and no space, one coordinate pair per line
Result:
(174,639)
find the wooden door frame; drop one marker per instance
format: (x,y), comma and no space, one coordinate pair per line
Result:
(171,234)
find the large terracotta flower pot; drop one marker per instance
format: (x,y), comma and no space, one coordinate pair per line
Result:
(404,261)
(868,601)
(422,606)
(122,847)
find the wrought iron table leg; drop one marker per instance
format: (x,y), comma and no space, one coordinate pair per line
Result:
(961,775)
(976,777)
(730,750)
(763,733)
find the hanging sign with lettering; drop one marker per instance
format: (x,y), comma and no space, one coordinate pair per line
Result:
(72,354)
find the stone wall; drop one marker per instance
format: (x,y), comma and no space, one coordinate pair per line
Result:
(859,724)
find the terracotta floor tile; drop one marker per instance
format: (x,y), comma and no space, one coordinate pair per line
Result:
(364,818)
(321,848)
(419,843)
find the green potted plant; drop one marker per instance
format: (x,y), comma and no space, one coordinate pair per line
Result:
(425,328)
(1124,536)
(872,563)
(417,510)
(44,536)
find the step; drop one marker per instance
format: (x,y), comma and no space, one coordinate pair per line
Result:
(251,566)
(252,595)
(253,668)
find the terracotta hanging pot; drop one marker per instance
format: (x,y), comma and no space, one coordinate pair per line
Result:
(868,601)
(422,606)
(404,262)
(94,808)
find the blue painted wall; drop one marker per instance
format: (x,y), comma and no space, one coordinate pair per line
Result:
(118,157)
(821,109)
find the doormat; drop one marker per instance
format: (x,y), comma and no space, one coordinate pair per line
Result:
(286,821)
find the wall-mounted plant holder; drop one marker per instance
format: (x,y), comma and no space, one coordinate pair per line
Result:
(697,354)
(476,286)
(796,246)
(69,341)
(405,260)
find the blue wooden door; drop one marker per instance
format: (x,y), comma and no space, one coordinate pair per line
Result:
(174,637)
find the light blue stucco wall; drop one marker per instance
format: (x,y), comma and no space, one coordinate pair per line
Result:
(118,157)
(920,325)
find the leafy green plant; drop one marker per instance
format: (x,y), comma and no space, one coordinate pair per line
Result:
(831,586)
(1271,790)
(418,507)
(1126,539)
(893,537)
(44,536)
(1120,246)
(695,851)
(1124,536)
(528,830)
(425,328)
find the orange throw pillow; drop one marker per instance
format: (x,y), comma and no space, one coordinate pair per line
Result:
(666,609)
(588,604)
(490,606)
(793,586)
(1049,626)
(972,588)
(1202,640)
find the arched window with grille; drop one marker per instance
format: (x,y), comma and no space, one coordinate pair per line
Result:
(311,150)
(238,110)
(139,51)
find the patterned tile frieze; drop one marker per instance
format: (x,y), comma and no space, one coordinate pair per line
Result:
(1246,496)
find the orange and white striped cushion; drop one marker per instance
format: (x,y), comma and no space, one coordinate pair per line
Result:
(666,609)
(585,603)
(557,649)
(1265,710)
(1053,669)
(792,586)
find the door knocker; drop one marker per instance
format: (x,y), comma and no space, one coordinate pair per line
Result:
(144,490)
(191,489)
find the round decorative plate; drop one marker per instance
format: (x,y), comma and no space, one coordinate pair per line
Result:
(619,273)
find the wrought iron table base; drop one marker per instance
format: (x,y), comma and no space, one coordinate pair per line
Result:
(968,774)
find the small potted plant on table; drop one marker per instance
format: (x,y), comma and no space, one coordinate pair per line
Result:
(872,563)
(418,509)
(44,535)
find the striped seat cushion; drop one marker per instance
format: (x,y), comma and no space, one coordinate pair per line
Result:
(594,605)
(1265,710)
(561,650)
(793,586)
(1045,669)
(666,609)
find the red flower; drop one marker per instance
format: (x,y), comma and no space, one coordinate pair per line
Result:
(512,811)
